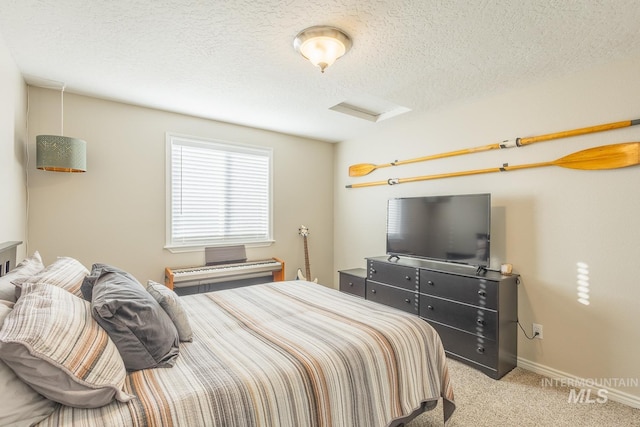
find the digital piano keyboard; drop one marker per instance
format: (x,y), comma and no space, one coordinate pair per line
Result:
(272,268)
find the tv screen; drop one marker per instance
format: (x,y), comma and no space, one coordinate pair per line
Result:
(445,228)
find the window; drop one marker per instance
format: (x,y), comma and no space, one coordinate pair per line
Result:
(218,193)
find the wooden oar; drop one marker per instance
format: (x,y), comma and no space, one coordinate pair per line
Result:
(605,157)
(363,169)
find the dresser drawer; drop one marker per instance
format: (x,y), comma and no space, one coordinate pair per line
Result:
(475,320)
(394,297)
(396,275)
(353,283)
(471,290)
(478,349)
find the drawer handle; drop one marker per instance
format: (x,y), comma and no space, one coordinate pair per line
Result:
(407,277)
(373,291)
(350,283)
(480,322)
(480,350)
(407,300)
(373,270)
(430,307)
(482,293)
(430,283)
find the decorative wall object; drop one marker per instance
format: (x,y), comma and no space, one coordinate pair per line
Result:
(363,169)
(612,156)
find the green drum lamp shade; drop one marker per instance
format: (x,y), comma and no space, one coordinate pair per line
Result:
(61,153)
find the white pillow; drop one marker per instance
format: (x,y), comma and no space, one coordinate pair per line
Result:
(27,268)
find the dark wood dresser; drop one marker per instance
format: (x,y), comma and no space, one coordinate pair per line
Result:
(474,314)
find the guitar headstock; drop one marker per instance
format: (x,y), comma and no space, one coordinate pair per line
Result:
(303,231)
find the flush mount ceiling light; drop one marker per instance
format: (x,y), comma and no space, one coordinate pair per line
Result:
(322,45)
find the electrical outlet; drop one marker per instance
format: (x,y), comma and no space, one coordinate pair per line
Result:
(537,328)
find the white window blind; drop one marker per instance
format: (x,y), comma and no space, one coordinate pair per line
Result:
(220,193)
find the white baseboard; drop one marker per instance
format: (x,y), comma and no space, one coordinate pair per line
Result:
(613,394)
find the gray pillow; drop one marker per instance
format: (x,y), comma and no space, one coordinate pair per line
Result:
(86,289)
(139,327)
(27,268)
(20,404)
(170,302)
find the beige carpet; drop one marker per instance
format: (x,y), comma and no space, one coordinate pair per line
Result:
(519,399)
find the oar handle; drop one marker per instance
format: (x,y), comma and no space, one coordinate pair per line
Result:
(504,168)
(576,132)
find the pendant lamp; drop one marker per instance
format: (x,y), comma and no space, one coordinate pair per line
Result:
(59,153)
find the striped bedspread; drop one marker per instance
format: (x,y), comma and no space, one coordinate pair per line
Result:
(285,354)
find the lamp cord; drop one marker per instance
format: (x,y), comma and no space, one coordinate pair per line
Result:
(26,179)
(62,110)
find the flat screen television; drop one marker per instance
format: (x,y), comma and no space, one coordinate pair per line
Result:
(454,228)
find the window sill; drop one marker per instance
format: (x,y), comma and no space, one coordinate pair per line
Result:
(177,249)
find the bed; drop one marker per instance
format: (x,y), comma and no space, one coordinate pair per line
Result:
(291,353)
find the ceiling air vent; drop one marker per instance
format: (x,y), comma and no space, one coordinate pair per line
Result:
(369,108)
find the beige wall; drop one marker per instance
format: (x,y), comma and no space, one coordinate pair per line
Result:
(13,108)
(555,218)
(115,212)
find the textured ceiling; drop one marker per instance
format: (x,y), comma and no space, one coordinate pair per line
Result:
(233,60)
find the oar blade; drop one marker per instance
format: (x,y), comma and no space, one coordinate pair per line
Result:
(612,156)
(361,169)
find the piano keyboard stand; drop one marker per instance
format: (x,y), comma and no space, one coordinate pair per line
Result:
(192,280)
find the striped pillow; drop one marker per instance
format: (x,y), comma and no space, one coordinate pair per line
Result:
(66,273)
(53,344)
(20,403)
